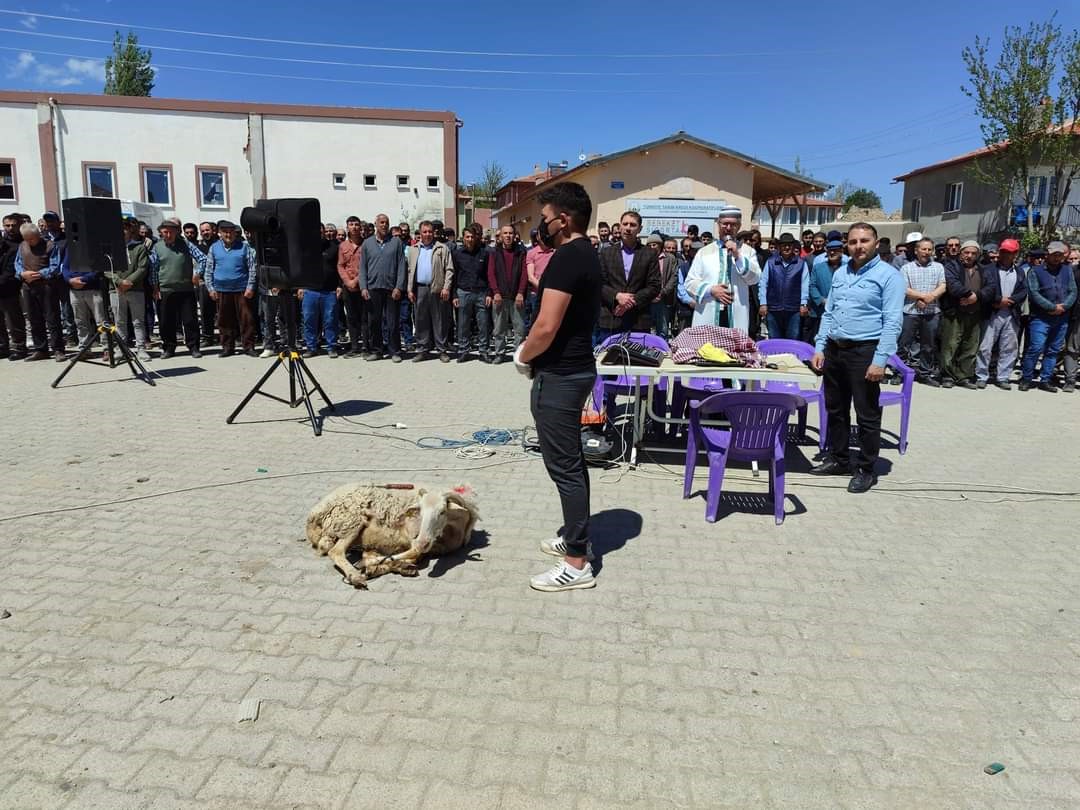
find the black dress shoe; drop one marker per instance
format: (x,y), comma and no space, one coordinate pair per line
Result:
(195,353)
(1048,386)
(968,384)
(167,353)
(861,482)
(461,358)
(830,467)
(309,354)
(227,353)
(1025,385)
(1004,386)
(37,356)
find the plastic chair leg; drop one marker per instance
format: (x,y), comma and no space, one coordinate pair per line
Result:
(717,464)
(802,422)
(904,414)
(691,462)
(823,422)
(777,486)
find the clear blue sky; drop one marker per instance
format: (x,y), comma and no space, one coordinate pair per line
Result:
(859,91)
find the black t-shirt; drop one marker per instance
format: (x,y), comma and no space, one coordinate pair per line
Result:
(574,268)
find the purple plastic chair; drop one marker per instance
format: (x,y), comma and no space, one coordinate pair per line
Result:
(622,384)
(901,397)
(804,351)
(758,427)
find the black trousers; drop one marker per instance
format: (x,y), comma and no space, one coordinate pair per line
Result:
(178,310)
(12,325)
(845,383)
(207,312)
(557,400)
(41,301)
(383,310)
(355,308)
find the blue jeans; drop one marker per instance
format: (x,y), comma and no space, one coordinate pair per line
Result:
(405,319)
(1044,333)
(471,309)
(787,325)
(315,306)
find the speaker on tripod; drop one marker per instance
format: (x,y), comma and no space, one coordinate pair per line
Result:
(95,241)
(288,249)
(95,234)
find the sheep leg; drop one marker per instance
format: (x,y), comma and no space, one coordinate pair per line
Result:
(338,555)
(376,564)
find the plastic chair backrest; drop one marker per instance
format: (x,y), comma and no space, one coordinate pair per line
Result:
(758,419)
(804,351)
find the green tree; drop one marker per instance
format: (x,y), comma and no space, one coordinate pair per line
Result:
(128,71)
(861,198)
(1029,102)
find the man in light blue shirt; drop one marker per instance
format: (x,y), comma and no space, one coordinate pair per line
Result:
(859,330)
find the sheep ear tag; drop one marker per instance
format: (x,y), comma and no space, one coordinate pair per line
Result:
(463,489)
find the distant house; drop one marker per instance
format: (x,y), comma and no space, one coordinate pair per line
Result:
(674,182)
(794,214)
(946,200)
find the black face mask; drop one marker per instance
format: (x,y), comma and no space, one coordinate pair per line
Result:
(544,235)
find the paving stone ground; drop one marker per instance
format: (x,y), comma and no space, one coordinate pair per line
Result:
(874,651)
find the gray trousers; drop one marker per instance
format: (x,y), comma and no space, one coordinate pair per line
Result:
(1001,330)
(502,315)
(88,307)
(13,325)
(432,320)
(130,307)
(1071,352)
(924,328)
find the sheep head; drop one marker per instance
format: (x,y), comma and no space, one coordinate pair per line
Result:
(434,508)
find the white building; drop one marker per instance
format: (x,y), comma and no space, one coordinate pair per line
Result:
(200,160)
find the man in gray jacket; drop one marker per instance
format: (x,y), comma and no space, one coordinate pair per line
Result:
(382,281)
(431,273)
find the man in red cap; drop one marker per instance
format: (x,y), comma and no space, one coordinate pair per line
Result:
(1003,328)
(1051,294)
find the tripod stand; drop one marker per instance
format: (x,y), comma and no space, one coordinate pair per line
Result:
(113,342)
(299,374)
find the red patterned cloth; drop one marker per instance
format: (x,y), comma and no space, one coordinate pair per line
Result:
(684,348)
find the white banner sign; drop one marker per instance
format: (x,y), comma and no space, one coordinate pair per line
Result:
(672,217)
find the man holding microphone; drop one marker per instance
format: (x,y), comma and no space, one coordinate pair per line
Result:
(721,277)
(558,355)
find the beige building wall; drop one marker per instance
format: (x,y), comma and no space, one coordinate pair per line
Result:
(680,171)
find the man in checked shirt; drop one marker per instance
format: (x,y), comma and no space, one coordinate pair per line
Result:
(925,280)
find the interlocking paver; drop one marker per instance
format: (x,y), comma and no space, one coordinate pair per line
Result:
(871,652)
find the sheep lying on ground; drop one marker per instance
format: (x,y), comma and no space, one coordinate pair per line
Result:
(394,526)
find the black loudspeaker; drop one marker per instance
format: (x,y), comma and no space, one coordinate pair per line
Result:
(288,241)
(95,234)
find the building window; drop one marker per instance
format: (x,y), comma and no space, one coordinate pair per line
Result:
(8,189)
(791,215)
(369,181)
(1037,190)
(213,186)
(100,179)
(916,209)
(432,183)
(403,181)
(156,184)
(337,179)
(954,194)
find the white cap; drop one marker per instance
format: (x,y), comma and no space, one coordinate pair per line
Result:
(914,236)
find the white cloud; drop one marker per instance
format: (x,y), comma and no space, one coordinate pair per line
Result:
(90,68)
(74,71)
(30,22)
(23,62)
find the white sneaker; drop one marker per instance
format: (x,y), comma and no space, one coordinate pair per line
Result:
(266,353)
(143,355)
(556,547)
(564,577)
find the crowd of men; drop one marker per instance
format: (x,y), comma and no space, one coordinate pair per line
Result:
(971,311)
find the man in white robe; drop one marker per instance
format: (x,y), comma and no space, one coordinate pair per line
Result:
(721,276)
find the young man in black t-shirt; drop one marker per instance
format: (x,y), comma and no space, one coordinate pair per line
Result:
(558,352)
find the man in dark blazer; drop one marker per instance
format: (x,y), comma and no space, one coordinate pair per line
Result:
(631,282)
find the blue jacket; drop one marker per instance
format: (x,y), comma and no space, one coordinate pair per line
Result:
(1046,289)
(820,284)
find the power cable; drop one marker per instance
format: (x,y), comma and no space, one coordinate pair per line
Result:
(331,63)
(283,77)
(426,51)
